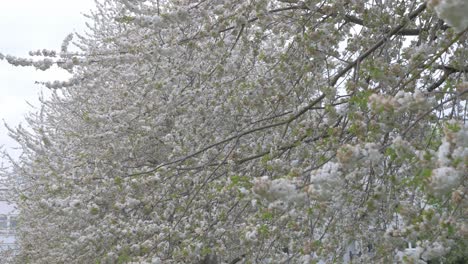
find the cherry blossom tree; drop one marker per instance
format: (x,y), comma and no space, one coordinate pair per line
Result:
(214,131)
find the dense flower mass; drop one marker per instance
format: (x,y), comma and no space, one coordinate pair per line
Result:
(453,12)
(252,131)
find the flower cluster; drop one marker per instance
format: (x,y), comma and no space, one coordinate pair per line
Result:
(247,131)
(452,11)
(452,154)
(402,101)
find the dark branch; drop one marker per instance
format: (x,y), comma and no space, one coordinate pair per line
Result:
(377,45)
(451,69)
(403,32)
(234,261)
(448,70)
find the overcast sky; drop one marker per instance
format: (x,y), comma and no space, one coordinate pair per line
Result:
(27,25)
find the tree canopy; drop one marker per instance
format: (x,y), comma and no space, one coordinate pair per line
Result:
(250,131)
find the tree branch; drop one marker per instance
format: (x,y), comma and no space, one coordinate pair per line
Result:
(402,32)
(239,135)
(448,70)
(359,21)
(364,55)
(423,115)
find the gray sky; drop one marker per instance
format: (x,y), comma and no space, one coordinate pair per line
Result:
(27,25)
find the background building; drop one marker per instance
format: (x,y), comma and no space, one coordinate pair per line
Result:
(8,216)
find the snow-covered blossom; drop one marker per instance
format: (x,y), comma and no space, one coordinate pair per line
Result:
(156,260)
(434,251)
(324,180)
(43,52)
(278,189)
(451,159)
(445,179)
(444,153)
(251,235)
(453,12)
(402,101)
(66,43)
(40,64)
(246,131)
(146,21)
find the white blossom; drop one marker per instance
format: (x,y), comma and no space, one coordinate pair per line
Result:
(250,131)
(453,12)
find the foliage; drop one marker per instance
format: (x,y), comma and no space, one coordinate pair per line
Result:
(256,131)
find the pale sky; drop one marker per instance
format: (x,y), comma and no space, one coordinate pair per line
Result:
(27,25)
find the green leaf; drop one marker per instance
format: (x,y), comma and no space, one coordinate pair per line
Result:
(118,181)
(94,211)
(267,215)
(125,19)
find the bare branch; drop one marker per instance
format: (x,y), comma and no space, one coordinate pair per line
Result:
(448,70)
(377,45)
